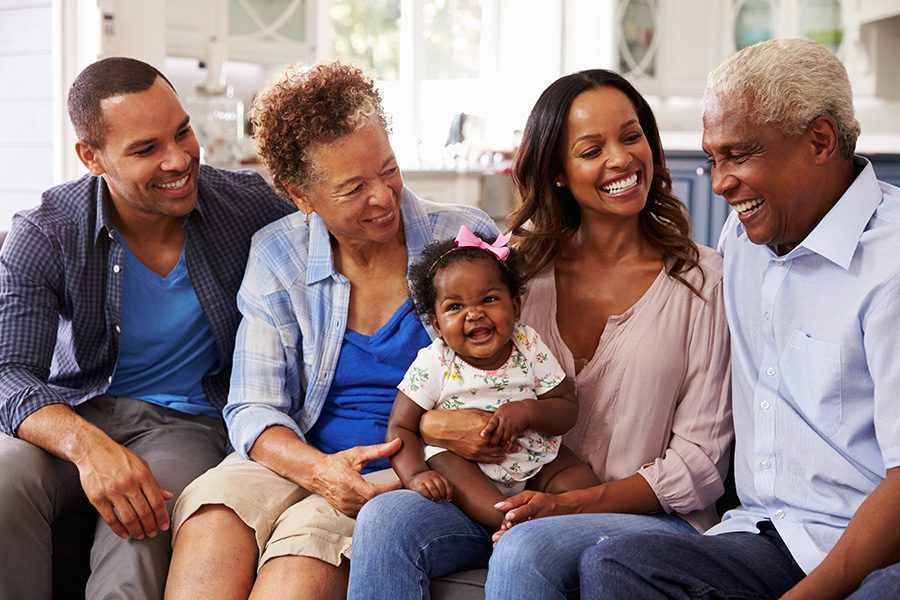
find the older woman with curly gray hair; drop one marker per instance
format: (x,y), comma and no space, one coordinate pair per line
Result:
(327,333)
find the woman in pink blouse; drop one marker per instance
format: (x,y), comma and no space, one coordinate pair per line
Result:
(632,309)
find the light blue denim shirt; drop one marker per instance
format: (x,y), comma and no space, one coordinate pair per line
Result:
(294,306)
(814,369)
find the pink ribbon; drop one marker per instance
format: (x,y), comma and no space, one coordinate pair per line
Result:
(465,238)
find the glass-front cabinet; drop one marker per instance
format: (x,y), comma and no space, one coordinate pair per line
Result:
(261,31)
(638,39)
(754,21)
(657,47)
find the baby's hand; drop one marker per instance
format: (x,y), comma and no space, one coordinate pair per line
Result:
(432,485)
(508,424)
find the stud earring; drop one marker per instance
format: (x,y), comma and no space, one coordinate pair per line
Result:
(559,184)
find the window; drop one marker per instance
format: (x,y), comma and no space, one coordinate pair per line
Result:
(430,59)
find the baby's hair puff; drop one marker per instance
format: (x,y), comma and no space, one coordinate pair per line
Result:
(440,254)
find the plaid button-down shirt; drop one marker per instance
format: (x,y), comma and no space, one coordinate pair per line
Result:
(61,287)
(295,304)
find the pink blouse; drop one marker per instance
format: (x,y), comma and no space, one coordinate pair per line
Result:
(655,398)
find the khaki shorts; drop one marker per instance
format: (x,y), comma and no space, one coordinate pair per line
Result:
(287,519)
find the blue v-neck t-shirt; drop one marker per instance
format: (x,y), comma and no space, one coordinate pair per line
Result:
(362,393)
(165,344)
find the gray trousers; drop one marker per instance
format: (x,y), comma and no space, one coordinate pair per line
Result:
(36,488)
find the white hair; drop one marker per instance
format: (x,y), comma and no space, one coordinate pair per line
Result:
(789,83)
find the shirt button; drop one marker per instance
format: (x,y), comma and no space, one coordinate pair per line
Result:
(109,379)
(779,514)
(109,232)
(770,371)
(779,263)
(764,464)
(116,268)
(118,329)
(764,405)
(767,316)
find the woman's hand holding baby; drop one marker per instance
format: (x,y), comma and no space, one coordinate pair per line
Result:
(458,432)
(508,424)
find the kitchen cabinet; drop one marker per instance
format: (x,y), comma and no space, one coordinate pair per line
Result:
(666,48)
(692,183)
(259,31)
(751,21)
(657,46)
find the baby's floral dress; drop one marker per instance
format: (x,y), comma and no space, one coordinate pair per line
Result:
(439,379)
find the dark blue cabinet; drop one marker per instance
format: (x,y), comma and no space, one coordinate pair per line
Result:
(691,183)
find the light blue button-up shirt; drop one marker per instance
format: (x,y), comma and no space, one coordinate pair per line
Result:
(294,306)
(815,373)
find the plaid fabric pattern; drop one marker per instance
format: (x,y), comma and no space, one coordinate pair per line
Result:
(294,305)
(61,289)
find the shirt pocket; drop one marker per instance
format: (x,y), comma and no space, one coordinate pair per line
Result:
(811,373)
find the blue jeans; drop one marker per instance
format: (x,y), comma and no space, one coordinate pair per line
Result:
(731,565)
(539,559)
(402,540)
(883,584)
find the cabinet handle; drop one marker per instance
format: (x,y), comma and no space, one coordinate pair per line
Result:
(700,171)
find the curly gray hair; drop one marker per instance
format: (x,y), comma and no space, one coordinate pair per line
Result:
(308,108)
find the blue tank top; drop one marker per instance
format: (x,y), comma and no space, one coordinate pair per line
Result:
(365,384)
(165,346)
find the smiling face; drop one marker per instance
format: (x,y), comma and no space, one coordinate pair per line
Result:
(151,158)
(358,196)
(474,312)
(771,180)
(606,159)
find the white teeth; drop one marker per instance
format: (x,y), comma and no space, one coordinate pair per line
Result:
(621,185)
(384,218)
(747,205)
(174,185)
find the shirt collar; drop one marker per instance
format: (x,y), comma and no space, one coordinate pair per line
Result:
(837,234)
(104,224)
(321,260)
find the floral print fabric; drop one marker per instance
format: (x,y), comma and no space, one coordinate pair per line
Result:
(440,380)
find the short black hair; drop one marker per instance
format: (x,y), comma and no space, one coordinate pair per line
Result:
(443,253)
(104,79)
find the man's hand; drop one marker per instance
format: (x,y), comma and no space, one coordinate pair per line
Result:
(116,481)
(124,491)
(337,477)
(459,431)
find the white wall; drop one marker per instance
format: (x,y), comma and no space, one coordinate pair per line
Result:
(26,111)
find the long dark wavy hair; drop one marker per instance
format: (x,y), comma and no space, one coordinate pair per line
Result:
(546,216)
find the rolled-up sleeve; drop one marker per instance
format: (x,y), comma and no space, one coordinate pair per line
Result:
(263,390)
(689,475)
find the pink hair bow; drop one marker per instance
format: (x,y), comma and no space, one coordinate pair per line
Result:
(465,238)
